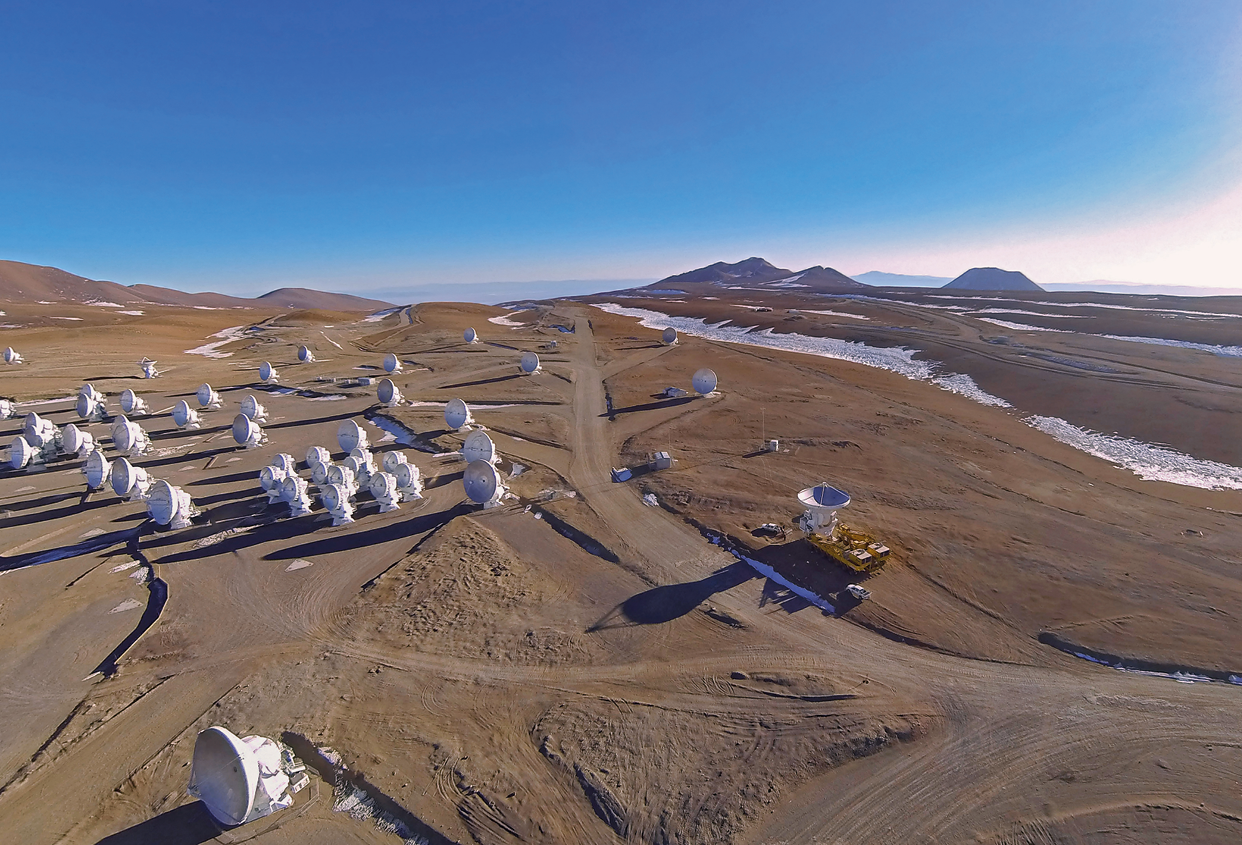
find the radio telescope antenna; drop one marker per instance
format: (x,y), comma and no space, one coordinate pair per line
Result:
(208,398)
(7,409)
(409,481)
(483,485)
(529,363)
(11,357)
(41,434)
(241,780)
(822,503)
(479,447)
(267,373)
(457,414)
(392,460)
(97,470)
(247,432)
(75,441)
(319,472)
(336,501)
(305,355)
(317,455)
(128,481)
(387,393)
(470,335)
(384,490)
(285,461)
(148,368)
(132,403)
(170,506)
(293,491)
(340,475)
(251,408)
(185,416)
(669,336)
(22,454)
(366,465)
(704,381)
(351,436)
(392,364)
(129,438)
(90,405)
(270,478)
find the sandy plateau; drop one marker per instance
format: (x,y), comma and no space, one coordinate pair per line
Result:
(607,662)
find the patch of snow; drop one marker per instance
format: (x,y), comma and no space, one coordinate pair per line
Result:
(964,385)
(209,349)
(1029,313)
(105,304)
(504,320)
(131,313)
(831,313)
(379,315)
(331,341)
(1222,351)
(79,319)
(128,604)
(122,567)
(41,402)
(1020,327)
(298,564)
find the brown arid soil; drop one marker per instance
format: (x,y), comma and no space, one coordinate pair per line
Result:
(599,662)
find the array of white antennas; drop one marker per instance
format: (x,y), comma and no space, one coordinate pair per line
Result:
(305,355)
(267,373)
(241,780)
(90,404)
(207,397)
(39,442)
(75,441)
(529,363)
(351,436)
(148,368)
(10,356)
(388,393)
(383,488)
(252,409)
(409,479)
(822,503)
(336,499)
(170,506)
(185,416)
(362,462)
(128,481)
(7,409)
(392,364)
(247,432)
(457,414)
(132,403)
(283,484)
(97,470)
(703,381)
(318,459)
(669,336)
(129,438)
(483,484)
(479,447)
(470,335)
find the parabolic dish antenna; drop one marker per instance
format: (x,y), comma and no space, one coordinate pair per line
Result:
(305,355)
(148,368)
(129,480)
(20,452)
(270,477)
(334,495)
(319,472)
(482,483)
(225,775)
(350,436)
(392,460)
(184,416)
(669,336)
(162,502)
(75,440)
(456,414)
(530,362)
(293,491)
(317,455)
(352,464)
(90,406)
(251,408)
(407,475)
(267,372)
(246,431)
(824,496)
(470,335)
(131,402)
(11,357)
(207,398)
(391,363)
(128,437)
(478,447)
(703,381)
(6,409)
(384,490)
(96,470)
(387,392)
(285,461)
(88,389)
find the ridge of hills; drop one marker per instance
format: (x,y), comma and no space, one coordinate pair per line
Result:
(32,283)
(760,274)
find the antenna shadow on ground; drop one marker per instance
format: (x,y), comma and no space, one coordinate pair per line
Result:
(648,406)
(481,381)
(384,534)
(673,601)
(189,824)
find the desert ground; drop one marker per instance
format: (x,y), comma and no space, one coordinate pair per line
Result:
(607,662)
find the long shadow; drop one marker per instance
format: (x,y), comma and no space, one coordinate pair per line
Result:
(189,824)
(480,381)
(30,504)
(47,516)
(248,493)
(170,433)
(189,456)
(86,547)
(284,529)
(296,423)
(647,406)
(387,533)
(441,480)
(673,601)
(226,479)
(158,588)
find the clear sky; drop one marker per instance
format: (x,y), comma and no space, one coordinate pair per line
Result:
(240,146)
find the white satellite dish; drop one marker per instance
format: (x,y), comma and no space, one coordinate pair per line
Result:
(482,483)
(317,455)
(478,447)
(392,364)
(88,389)
(39,432)
(90,406)
(319,472)
(270,478)
(305,355)
(384,490)
(148,368)
(293,491)
(129,481)
(340,475)
(470,335)
(247,432)
(185,416)
(208,398)
(822,503)
(267,372)
(388,393)
(169,505)
(392,460)
(11,357)
(285,461)
(366,464)
(703,381)
(97,470)
(129,438)
(457,414)
(251,408)
(409,481)
(131,402)
(75,441)
(7,409)
(350,436)
(530,363)
(669,336)
(336,501)
(240,780)
(22,453)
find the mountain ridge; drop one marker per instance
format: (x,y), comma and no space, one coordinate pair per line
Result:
(755,271)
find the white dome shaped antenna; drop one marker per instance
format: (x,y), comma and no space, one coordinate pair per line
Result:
(669,336)
(40,433)
(185,416)
(703,381)
(270,479)
(247,432)
(170,506)
(148,368)
(336,501)
(392,460)
(22,454)
(129,438)
(75,441)
(384,489)
(351,436)
(132,403)
(529,363)
(11,357)
(319,472)
(97,469)
(293,491)
(341,475)
(483,484)
(392,364)
(88,389)
(457,414)
(470,335)
(388,394)
(207,397)
(366,465)
(251,408)
(90,406)
(128,481)
(285,461)
(822,503)
(317,455)
(240,780)
(267,373)
(409,481)
(305,355)
(7,409)
(479,447)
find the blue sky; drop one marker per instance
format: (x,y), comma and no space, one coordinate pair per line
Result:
(429,147)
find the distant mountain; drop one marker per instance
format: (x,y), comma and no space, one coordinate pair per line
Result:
(1104,286)
(992,278)
(877,278)
(759,273)
(32,283)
